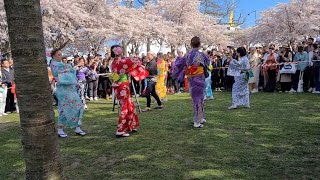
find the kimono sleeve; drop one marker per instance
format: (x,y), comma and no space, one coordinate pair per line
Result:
(135,69)
(179,68)
(206,60)
(54,69)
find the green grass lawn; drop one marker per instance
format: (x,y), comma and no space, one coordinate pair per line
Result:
(278,138)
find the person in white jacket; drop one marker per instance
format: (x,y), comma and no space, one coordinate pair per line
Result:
(3,96)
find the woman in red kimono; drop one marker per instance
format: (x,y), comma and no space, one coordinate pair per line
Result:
(121,69)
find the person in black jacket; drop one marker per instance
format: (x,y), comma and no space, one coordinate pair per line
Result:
(151,66)
(7,79)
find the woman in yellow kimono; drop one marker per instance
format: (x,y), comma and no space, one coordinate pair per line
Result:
(161,78)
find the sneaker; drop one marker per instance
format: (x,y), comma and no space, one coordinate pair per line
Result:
(311,90)
(85,106)
(292,91)
(254,91)
(91,98)
(232,107)
(286,91)
(219,89)
(158,107)
(4,114)
(0,115)
(95,98)
(211,98)
(147,109)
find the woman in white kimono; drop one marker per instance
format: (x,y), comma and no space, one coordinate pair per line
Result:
(240,88)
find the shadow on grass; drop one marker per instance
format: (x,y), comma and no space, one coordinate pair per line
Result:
(269,141)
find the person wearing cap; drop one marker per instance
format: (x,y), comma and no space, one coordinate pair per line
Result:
(194,65)
(151,66)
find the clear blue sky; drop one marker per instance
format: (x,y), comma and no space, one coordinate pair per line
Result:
(246,6)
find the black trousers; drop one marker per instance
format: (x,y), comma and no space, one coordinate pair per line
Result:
(176,85)
(136,85)
(285,86)
(229,80)
(272,81)
(308,78)
(10,106)
(151,91)
(316,77)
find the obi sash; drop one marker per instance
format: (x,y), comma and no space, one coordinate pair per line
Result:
(123,78)
(194,71)
(119,78)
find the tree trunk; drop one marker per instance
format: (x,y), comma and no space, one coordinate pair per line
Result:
(173,50)
(136,50)
(125,48)
(132,48)
(39,137)
(148,44)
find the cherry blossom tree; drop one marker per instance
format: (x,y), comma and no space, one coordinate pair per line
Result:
(65,21)
(287,23)
(189,21)
(4,43)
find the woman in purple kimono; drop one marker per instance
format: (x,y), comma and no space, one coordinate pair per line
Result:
(194,65)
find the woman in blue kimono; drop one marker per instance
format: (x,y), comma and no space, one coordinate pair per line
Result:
(209,93)
(240,88)
(70,106)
